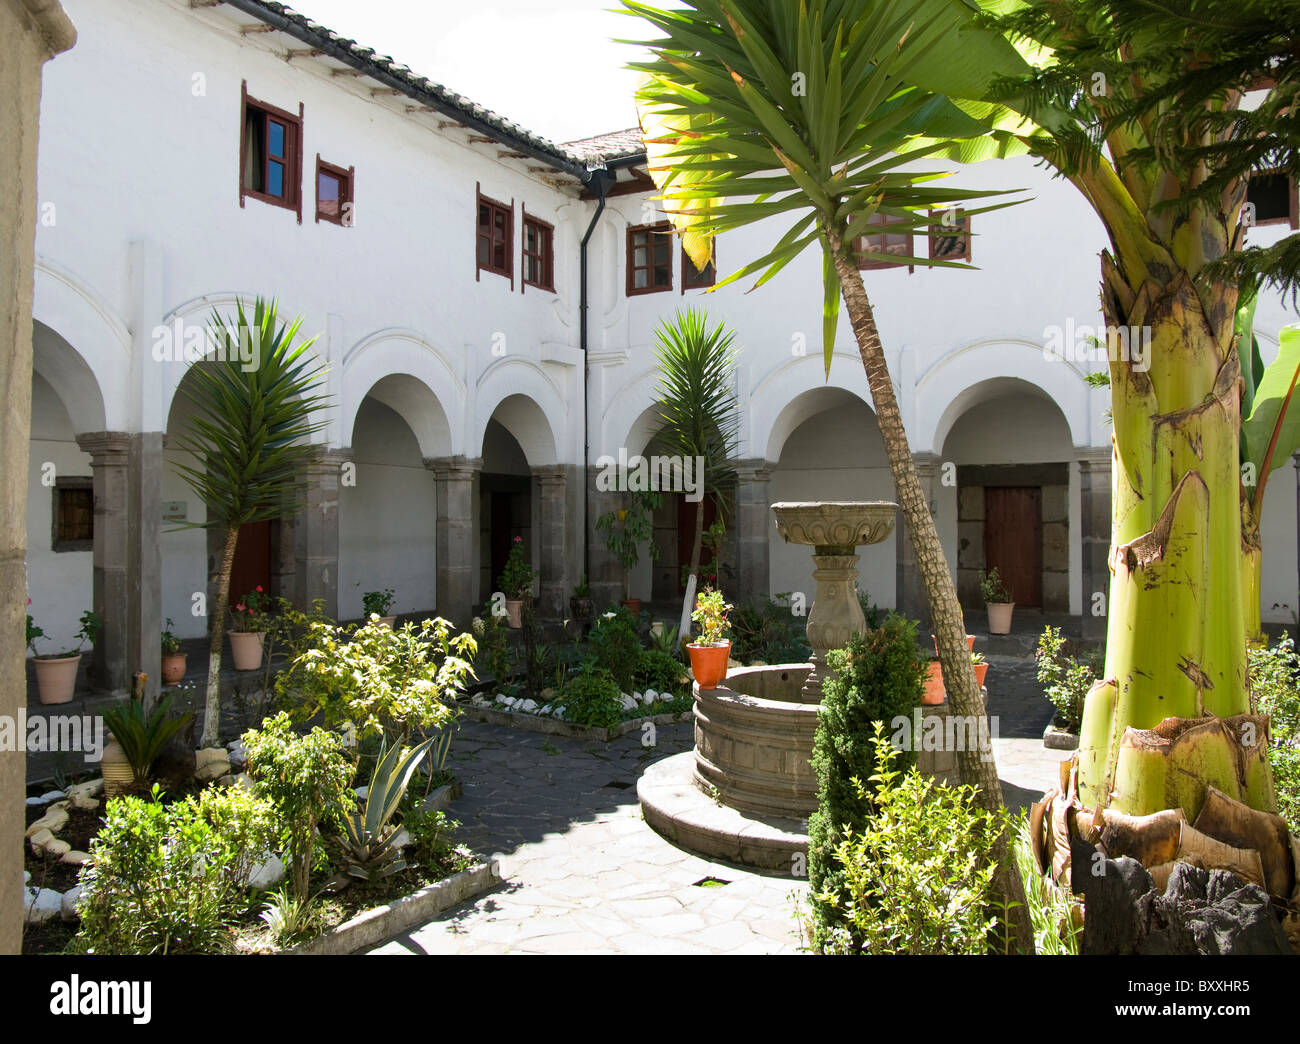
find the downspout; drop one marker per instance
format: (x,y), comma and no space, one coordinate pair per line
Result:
(600,182)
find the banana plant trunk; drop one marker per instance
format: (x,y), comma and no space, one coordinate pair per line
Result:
(945,610)
(1173,712)
(217,634)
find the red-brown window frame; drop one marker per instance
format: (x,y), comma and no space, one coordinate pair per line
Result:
(963,223)
(887,220)
(347,195)
(293,161)
(509,271)
(659,228)
(711,271)
(1293,215)
(547,257)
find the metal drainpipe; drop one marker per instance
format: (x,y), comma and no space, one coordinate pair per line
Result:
(600,181)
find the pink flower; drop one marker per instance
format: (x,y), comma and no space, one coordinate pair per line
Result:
(259,588)
(519,540)
(240,608)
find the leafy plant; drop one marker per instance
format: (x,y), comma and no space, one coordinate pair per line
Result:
(1065,678)
(875,678)
(666,639)
(710,612)
(917,876)
(1275,685)
(628,528)
(249,614)
(582,589)
(655,669)
(592,698)
(367,851)
(992,588)
(493,648)
(617,648)
(289,916)
(1051,909)
(251,437)
(170,643)
(433,845)
(377,603)
(170,878)
(305,778)
(90,625)
(770,633)
(517,577)
(142,736)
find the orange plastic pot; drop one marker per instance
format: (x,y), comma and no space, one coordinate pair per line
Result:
(934,692)
(981,669)
(709,663)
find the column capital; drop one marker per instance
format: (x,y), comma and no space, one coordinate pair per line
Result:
(1093,458)
(326,460)
(925,464)
(755,469)
(103,445)
(453,468)
(550,474)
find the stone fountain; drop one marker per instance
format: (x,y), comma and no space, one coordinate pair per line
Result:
(745,792)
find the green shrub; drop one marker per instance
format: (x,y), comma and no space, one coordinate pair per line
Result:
(592,698)
(917,876)
(877,676)
(617,648)
(1050,907)
(1275,687)
(171,878)
(493,659)
(306,779)
(658,670)
(1066,678)
(770,634)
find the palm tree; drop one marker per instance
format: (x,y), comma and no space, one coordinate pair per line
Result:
(249,435)
(696,399)
(801,108)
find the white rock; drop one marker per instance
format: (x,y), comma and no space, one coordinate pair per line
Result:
(39,840)
(651,695)
(528,705)
(68,904)
(27,876)
(41,905)
(559,712)
(34,802)
(267,875)
(402,838)
(52,795)
(53,821)
(361,793)
(211,763)
(628,702)
(87,802)
(57,848)
(91,788)
(75,858)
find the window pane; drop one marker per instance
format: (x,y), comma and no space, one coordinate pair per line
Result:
(275,136)
(500,220)
(663,275)
(484,215)
(530,237)
(639,279)
(640,257)
(484,250)
(327,188)
(661,250)
(499,255)
(275,178)
(639,239)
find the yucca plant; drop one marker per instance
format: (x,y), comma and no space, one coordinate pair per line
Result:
(367,848)
(798,112)
(142,736)
(696,401)
(255,408)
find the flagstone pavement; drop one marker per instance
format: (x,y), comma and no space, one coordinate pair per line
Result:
(583,873)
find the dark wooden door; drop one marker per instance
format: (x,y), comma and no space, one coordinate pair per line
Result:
(1013,539)
(501,523)
(252,565)
(686,510)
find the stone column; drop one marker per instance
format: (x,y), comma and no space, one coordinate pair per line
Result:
(910,595)
(316,532)
(127,472)
(606,575)
(552,602)
(1094,527)
(456,485)
(753,528)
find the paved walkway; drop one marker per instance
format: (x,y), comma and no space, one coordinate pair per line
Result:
(585,874)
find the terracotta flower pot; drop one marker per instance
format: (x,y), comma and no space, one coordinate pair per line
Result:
(981,669)
(515,612)
(1000,617)
(56,678)
(934,692)
(634,604)
(709,663)
(173,667)
(246,649)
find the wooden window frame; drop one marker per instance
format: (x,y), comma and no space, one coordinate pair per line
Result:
(547,257)
(509,271)
(871,266)
(688,266)
(59,544)
(347,191)
(1292,218)
(659,228)
(963,223)
(293,160)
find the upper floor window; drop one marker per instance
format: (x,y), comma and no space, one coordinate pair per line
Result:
(495,238)
(695,279)
(539,257)
(950,235)
(649,258)
(334,199)
(1272,196)
(893,244)
(270,155)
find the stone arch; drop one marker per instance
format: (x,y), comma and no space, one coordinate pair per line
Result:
(526,403)
(793,392)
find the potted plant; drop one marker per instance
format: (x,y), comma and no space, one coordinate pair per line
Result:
(934,693)
(516,582)
(248,630)
(981,666)
(173,659)
(629,528)
(56,673)
(377,603)
(710,652)
(997,600)
(581,605)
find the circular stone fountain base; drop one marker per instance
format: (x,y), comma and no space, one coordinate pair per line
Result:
(745,792)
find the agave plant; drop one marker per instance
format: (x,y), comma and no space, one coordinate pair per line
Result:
(368,835)
(142,736)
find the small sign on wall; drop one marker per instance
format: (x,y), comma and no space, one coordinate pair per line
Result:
(173,511)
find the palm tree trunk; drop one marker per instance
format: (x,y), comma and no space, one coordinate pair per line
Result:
(945,611)
(692,577)
(217,631)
